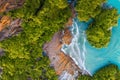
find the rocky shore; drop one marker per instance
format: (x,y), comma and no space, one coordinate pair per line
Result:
(63,64)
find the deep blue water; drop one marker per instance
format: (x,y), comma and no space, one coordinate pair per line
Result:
(88,58)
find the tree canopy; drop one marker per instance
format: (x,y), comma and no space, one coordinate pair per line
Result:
(110,72)
(87,9)
(99,32)
(40,20)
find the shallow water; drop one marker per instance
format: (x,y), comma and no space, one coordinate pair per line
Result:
(88,58)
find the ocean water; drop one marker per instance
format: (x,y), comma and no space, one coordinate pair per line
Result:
(88,58)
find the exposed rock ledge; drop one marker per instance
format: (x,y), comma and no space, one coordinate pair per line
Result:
(61,62)
(6,5)
(9,27)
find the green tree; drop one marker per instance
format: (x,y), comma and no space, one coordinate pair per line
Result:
(40,20)
(110,72)
(88,9)
(99,32)
(59,3)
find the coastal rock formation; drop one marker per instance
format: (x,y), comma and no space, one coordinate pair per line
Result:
(9,27)
(70,21)
(6,5)
(62,63)
(13,27)
(66,38)
(4,21)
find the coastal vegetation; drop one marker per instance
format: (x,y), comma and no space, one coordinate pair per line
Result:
(23,53)
(88,9)
(99,32)
(23,59)
(110,72)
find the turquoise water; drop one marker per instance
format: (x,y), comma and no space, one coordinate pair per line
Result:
(88,58)
(95,59)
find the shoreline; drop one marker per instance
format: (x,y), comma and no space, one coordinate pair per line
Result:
(62,63)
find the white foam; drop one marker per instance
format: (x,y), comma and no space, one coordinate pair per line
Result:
(77,50)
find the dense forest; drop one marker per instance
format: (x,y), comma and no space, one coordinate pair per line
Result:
(23,59)
(88,9)
(99,32)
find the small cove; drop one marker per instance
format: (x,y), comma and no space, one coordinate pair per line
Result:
(88,58)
